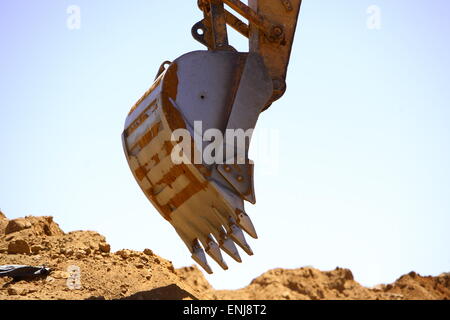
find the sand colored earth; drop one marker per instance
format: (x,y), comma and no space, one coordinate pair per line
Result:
(83,267)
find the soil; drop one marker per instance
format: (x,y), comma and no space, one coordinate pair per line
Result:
(83,267)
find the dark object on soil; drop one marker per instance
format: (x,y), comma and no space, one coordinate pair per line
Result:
(18,272)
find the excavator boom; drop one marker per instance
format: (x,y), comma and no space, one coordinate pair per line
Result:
(186,139)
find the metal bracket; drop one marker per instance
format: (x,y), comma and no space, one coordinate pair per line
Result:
(199,31)
(162,68)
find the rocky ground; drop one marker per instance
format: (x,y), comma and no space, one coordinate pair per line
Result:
(83,267)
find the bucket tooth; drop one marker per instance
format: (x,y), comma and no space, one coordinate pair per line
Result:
(228,246)
(246,224)
(214,252)
(238,236)
(199,256)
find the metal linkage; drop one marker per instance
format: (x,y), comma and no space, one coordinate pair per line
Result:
(218,25)
(237,24)
(216,17)
(272,31)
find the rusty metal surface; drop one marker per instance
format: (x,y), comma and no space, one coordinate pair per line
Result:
(203,33)
(237,24)
(218,25)
(251,15)
(276,55)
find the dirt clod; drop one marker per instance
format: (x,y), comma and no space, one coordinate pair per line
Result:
(148,252)
(104,247)
(17,225)
(19,247)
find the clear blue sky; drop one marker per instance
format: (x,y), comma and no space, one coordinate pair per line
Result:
(364,174)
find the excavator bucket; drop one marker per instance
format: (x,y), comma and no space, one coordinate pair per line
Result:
(187,139)
(220,92)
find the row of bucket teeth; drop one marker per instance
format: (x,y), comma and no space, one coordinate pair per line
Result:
(226,242)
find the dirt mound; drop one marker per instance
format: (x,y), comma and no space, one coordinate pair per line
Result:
(312,284)
(414,286)
(303,284)
(84,268)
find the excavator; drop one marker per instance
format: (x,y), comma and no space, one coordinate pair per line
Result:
(202,103)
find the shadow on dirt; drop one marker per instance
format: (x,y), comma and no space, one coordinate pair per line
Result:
(170,292)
